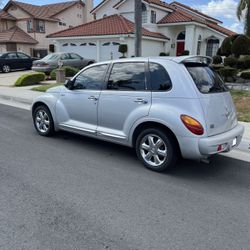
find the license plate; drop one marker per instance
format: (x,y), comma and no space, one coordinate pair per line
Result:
(234,142)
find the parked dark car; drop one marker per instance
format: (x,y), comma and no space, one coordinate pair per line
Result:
(50,62)
(15,60)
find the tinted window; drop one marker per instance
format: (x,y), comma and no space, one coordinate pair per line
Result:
(11,56)
(91,78)
(206,79)
(127,76)
(159,77)
(23,56)
(75,56)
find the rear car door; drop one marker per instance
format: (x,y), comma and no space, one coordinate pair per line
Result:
(12,60)
(216,100)
(76,109)
(76,61)
(124,100)
(66,60)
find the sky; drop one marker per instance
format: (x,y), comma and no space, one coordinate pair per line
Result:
(224,10)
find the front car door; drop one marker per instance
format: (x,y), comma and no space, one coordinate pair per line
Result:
(124,100)
(12,60)
(25,61)
(76,109)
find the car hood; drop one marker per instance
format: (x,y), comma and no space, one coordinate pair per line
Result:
(57,89)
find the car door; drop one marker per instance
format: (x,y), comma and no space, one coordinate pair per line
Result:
(66,60)
(12,61)
(124,100)
(25,61)
(77,61)
(76,109)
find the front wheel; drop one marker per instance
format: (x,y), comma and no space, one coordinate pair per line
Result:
(6,68)
(157,149)
(43,121)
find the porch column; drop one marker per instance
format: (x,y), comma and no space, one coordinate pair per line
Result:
(190,40)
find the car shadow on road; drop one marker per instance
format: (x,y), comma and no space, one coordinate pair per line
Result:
(221,168)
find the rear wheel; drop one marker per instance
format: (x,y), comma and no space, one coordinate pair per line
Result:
(6,68)
(157,149)
(43,121)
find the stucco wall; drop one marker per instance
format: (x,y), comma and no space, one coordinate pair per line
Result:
(18,13)
(3,48)
(106,9)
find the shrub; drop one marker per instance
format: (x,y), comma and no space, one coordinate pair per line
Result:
(69,71)
(185,53)
(228,72)
(217,59)
(226,47)
(219,53)
(246,60)
(164,54)
(245,74)
(230,61)
(241,63)
(241,46)
(29,79)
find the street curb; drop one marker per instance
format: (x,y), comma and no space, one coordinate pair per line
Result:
(16,99)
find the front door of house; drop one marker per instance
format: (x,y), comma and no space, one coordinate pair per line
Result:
(180,48)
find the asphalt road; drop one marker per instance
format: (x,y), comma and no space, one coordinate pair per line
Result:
(71,192)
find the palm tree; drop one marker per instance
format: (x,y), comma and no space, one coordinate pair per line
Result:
(244,5)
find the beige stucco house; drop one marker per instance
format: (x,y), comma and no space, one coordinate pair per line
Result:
(24,27)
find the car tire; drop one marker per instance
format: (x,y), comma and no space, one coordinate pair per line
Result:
(43,121)
(157,149)
(6,68)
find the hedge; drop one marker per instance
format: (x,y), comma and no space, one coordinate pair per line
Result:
(245,74)
(241,46)
(217,60)
(30,79)
(228,72)
(230,61)
(226,47)
(185,53)
(69,71)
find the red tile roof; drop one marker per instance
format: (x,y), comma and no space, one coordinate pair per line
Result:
(221,29)
(177,4)
(111,25)
(16,35)
(46,12)
(6,15)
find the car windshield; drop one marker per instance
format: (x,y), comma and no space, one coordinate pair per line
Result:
(51,57)
(206,79)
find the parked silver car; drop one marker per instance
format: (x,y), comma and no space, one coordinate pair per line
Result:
(50,62)
(163,107)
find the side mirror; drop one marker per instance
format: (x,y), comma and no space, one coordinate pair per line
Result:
(69,84)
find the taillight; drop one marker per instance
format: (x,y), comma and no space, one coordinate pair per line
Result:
(192,125)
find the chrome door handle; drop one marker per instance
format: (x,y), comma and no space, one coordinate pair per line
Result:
(141,101)
(93,98)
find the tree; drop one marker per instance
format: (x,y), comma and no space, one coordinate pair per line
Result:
(244,5)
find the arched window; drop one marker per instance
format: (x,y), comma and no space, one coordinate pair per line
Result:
(181,36)
(199,45)
(212,46)
(144,13)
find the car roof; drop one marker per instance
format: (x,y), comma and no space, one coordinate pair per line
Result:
(178,59)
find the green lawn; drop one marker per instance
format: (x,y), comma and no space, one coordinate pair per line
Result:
(43,88)
(242,102)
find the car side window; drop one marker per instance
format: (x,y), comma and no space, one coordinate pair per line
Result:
(159,78)
(22,56)
(75,57)
(91,78)
(127,77)
(65,57)
(11,56)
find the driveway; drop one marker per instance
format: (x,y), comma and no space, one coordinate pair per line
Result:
(9,79)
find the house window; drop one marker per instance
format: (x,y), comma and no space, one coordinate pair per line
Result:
(30,25)
(92,44)
(199,45)
(144,13)
(153,16)
(73,44)
(65,44)
(83,44)
(40,26)
(62,24)
(212,47)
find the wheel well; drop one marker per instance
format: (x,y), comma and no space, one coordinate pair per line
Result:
(147,125)
(37,104)
(91,62)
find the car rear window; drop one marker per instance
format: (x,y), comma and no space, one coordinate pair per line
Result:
(206,79)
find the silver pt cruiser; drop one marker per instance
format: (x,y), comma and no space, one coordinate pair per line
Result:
(163,107)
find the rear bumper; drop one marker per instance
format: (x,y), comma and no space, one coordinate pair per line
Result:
(198,148)
(209,145)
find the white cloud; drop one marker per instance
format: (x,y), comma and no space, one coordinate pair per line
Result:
(225,10)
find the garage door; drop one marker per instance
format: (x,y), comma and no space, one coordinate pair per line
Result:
(86,50)
(109,50)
